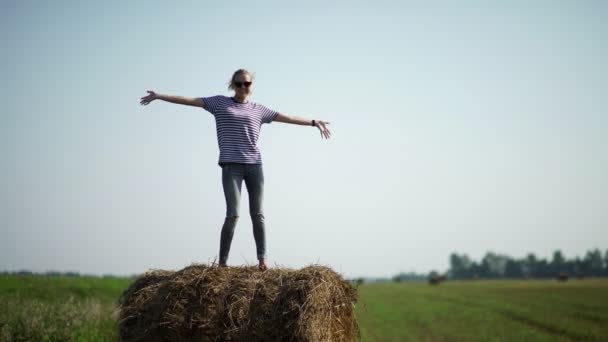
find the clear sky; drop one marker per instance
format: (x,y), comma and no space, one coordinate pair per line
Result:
(463,126)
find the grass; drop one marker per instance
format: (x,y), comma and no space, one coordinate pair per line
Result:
(57,308)
(531,310)
(39,308)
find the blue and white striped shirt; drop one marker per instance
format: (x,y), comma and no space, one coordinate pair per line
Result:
(238,128)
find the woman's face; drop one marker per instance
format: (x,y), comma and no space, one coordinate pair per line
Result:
(243,85)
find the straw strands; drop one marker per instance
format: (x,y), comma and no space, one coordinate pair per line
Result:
(209,303)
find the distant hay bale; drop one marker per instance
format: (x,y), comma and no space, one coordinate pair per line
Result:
(209,303)
(562,276)
(436,278)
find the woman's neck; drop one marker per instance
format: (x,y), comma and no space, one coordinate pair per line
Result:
(240,99)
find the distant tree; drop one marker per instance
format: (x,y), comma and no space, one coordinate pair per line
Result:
(477,270)
(606,263)
(585,266)
(543,269)
(577,267)
(514,269)
(460,266)
(530,265)
(455,266)
(494,265)
(558,264)
(569,267)
(595,262)
(410,276)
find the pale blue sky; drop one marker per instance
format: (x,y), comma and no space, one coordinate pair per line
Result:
(461,126)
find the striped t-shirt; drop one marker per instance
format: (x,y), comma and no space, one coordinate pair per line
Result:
(238,128)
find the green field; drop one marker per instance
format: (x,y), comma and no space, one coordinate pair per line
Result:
(38,308)
(531,310)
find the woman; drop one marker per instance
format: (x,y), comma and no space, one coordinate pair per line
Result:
(238,122)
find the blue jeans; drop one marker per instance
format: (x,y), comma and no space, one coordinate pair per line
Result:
(233,175)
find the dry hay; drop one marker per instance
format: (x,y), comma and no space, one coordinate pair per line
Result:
(209,303)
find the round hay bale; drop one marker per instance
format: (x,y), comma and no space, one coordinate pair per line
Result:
(434,278)
(209,303)
(562,276)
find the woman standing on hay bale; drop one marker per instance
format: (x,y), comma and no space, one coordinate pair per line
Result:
(238,122)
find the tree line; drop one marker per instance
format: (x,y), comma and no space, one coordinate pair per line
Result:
(67,274)
(495,266)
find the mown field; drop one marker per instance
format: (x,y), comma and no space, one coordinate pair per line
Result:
(37,308)
(530,310)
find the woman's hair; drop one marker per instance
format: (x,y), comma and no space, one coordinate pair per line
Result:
(236,73)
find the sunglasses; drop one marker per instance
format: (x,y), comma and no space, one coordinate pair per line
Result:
(240,84)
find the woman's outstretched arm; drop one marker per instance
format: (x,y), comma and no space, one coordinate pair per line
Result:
(188,101)
(291,119)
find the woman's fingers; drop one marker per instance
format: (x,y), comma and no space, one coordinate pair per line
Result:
(148,98)
(325,133)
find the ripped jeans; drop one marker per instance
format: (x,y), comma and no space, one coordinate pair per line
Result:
(233,175)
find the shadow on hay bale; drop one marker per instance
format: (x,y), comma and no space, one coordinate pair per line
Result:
(208,303)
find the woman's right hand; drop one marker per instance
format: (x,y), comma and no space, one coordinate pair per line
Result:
(148,98)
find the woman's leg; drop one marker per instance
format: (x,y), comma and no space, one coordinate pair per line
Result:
(254,180)
(232,178)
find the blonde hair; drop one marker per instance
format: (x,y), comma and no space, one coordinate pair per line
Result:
(235,74)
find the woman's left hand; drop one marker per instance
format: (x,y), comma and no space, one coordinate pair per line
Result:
(321,125)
